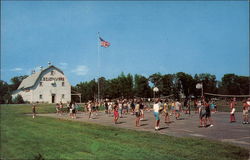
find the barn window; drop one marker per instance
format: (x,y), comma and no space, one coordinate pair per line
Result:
(41,84)
(63,84)
(62,96)
(52,73)
(41,96)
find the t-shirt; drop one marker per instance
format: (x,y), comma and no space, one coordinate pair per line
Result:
(156,107)
(120,105)
(137,107)
(177,105)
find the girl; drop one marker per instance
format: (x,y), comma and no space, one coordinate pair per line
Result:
(89,106)
(165,110)
(202,114)
(34,110)
(137,114)
(116,113)
(245,113)
(232,107)
(57,108)
(73,106)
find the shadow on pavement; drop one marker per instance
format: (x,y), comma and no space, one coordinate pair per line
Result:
(162,128)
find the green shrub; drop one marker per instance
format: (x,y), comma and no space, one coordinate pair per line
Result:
(18,99)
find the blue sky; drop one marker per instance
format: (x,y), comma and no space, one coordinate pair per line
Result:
(146,37)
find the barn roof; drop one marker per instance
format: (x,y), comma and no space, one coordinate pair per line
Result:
(31,80)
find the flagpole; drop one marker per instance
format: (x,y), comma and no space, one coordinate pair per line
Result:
(98,63)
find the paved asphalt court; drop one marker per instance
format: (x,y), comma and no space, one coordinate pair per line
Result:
(235,133)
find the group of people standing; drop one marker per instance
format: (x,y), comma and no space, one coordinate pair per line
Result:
(245,111)
(71,108)
(119,108)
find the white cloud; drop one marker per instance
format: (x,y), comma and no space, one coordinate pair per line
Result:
(81,70)
(16,69)
(63,65)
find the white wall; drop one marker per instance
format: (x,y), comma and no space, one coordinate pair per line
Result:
(47,89)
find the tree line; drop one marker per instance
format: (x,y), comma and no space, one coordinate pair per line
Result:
(129,86)
(178,84)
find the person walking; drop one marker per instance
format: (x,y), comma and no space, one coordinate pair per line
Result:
(177,109)
(202,114)
(34,110)
(137,113)
(232,107)
(245,112)
(156,108)
(165,110)
(116,113)
(208,114)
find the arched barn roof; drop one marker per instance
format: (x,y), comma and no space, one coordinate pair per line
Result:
(32,79)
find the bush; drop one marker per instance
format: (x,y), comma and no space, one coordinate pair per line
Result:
(18,99)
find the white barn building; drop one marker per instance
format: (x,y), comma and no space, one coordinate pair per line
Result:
(49,85)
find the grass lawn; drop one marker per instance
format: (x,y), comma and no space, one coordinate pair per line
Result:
(24,138)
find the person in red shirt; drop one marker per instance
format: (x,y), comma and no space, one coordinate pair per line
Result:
(116,113)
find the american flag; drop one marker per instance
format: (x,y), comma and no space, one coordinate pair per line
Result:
(104,43)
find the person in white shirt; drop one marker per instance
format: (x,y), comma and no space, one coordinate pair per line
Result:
(177,109)
(156,109)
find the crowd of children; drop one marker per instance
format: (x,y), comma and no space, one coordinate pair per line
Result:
(165,107)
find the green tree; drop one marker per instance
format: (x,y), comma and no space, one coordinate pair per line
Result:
(234,85)
(16,81)
(208,80)
(184,83)
(141,86)
(167,84)
(5,96)
(18,99)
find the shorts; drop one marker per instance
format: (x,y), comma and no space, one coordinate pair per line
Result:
(137,114)
(142,112)
(177,111)
(166,113)
(208,114)
(156,114)
(106,107)
(202,115)
(245,112)
(73,111)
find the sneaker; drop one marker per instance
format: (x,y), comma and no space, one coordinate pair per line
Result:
(211,125)
(247,122)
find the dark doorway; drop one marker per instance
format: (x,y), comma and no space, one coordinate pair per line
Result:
(53,98)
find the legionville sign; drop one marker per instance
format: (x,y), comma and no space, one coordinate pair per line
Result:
(53,79)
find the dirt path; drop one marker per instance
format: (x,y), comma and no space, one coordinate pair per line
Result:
(235,133)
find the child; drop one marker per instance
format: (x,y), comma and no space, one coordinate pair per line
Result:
(165,110)
(137,114)
(116,113)
(57,108)
(232,107)
(202,113)
(245,113)
(34,110)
